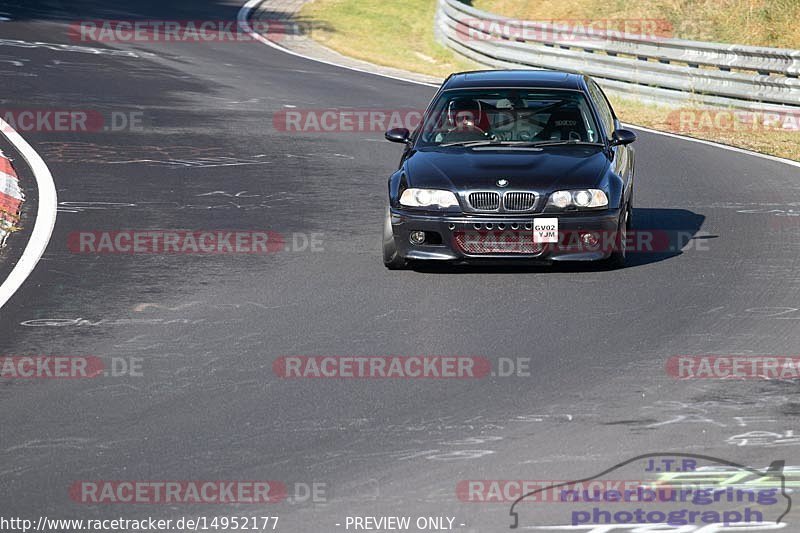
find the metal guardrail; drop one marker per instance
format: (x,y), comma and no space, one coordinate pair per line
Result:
(664,70)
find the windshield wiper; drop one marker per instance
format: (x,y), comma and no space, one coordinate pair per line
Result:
(496,142)
(524,144)
(556,143)
(470,143)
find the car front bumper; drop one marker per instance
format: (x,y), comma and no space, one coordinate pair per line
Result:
(452,228)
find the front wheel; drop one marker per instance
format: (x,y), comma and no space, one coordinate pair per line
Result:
(620,253)
(391,258)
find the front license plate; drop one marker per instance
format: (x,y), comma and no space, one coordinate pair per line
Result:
(545,230)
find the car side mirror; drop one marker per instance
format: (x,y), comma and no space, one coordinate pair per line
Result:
(622,137)
(397,135)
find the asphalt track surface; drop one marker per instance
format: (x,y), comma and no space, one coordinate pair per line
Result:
(208,328)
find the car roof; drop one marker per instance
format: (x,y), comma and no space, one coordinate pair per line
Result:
(549,79)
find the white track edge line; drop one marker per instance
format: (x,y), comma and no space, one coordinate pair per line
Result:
(45,214)
(244,18)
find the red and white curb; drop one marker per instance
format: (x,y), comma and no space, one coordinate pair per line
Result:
(45,212)
(11,198)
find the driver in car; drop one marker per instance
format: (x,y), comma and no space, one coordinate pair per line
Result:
(465,121)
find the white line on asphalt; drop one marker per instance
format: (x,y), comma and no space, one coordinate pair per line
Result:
(45,214)
(244,17)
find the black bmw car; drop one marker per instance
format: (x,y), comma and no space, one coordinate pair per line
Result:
(519,165)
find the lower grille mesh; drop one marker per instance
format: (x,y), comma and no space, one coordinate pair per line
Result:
(481,243)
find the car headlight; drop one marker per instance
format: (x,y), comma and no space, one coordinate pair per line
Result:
(427,198)
(581,198)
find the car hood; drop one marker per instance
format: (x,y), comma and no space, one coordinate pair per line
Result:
(545,170)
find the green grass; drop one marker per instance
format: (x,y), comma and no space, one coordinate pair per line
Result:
(385,32)
(754,22)
(778,143)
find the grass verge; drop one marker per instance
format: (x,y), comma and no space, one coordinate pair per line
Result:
(384,32)
(753,22)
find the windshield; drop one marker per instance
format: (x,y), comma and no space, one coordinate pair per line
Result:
(508,115)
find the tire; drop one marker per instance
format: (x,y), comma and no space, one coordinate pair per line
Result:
(391,258)
(620,253)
